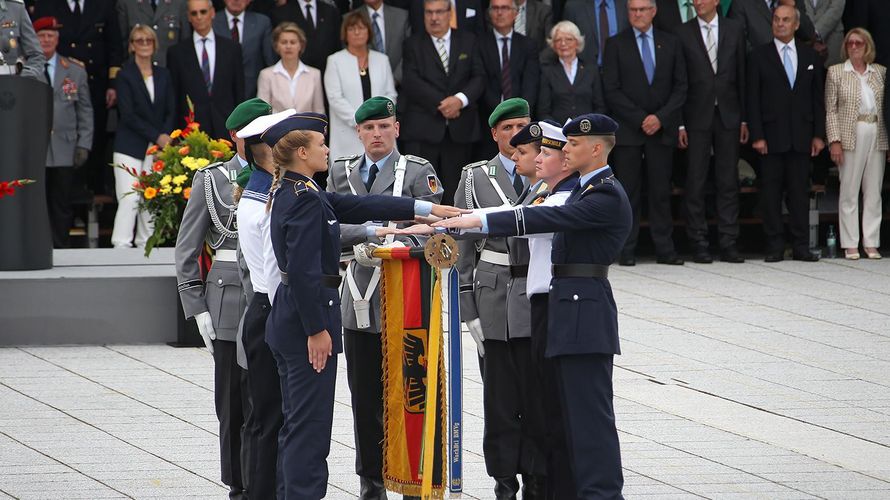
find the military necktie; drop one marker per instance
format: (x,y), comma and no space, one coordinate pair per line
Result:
(372,175)
(518,186)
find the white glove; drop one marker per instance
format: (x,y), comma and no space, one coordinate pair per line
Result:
(205,327)
(475,327)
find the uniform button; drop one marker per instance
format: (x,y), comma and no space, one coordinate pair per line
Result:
(219,281)
(551,287)
(73,45)
(330,302)
(574,297)
(155,27)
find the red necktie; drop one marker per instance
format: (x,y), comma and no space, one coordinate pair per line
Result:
(236,36)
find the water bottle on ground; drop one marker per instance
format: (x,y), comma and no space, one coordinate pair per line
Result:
(832,242)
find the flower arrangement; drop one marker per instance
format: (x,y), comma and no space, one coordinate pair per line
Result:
(7,188)
(165,190)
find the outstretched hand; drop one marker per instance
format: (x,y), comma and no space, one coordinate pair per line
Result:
(446,211)
(465,222)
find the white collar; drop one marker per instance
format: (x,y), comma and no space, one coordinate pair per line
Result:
(303,4)
(648,32)
(196,38)
(279,68)
(240,17)
(713,24)
(848,66)
(446,37)
(781,45)
(372,11)
(498,36)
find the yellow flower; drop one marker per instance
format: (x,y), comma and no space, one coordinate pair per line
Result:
(203,162)
(166,180)
(180,179)
(189,163)
(176,133)
(165,190)
(150,193)
(177,190)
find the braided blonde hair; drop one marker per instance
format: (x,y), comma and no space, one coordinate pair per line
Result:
(283,154)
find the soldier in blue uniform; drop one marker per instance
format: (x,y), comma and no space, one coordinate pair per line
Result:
(305,321)
(582,337)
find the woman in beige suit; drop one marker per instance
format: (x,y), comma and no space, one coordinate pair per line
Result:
(289,83)
(854,95)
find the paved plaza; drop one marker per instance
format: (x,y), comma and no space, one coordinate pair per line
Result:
(737,381)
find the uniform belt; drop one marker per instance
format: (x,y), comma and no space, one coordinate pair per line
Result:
(8,69)
(580,271)
(226,256)
(873,118)
(519,271)
(496,258)
(327,280)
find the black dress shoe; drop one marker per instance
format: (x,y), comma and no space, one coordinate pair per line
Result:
(731,254)
(774,257)
(702,255)
(671,260)
(806,257)
(533,487)
(372,489)
(506,488)
(627,260)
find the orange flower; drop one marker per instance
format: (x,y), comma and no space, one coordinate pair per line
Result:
(216,154)
(186,193)
(150,193)
(176,133)
(152,150)
(194,125)
(226,142)
(158,166)
(184,150)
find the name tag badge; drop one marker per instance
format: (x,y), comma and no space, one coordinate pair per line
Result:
(362,313)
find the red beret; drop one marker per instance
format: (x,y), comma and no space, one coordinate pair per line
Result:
(46,23)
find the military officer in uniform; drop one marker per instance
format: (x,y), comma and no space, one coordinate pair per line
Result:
(381,169)
(20,53)
(72,133)
(168,18)
(217,303)
(484,268)
(582,331)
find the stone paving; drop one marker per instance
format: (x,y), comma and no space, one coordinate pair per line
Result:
(737,381)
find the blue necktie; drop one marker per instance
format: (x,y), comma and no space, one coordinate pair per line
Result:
(377,35)
(789,67)
(648,60)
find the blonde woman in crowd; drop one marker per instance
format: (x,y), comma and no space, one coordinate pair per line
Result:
(289,83)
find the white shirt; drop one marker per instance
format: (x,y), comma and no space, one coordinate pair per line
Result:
(500,44)
(715,26)
(572,71)
(71,5)
(253,223)
(150,87)
(780,47)
(867,102)
(279,68)
(314,11)
(539,249)
(231,23)
(380,24)
(211,50)
(447,39)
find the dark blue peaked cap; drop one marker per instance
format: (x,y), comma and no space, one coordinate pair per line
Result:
(301,121)
(590,124)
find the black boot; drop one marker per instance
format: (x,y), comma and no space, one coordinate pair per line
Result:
(372,489)
(533,487)
(506,488)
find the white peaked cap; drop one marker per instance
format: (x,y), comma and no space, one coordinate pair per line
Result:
(263,123)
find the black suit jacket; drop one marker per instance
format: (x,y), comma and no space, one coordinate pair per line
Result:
(727,86)
(630,97)
(560,100)
(525,72)
(141,119)
(788,118)
(668,17)
(474,23)
(322,39)
(211,109)
(425,84)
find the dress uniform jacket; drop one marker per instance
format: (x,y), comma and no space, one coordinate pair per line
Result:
(72,113)
(169,21)
(210,217)
(19,41)
(344,177)
(518,317)
(483,289)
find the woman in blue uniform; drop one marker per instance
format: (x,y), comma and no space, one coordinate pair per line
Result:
(304,327)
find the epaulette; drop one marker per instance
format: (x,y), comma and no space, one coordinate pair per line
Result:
(416,159)
(471,166)
(16,1)
(75,61)
(301,187)
(212,165)
(347,158)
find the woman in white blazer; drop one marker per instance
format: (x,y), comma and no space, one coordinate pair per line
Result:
(289,83)
(354,75)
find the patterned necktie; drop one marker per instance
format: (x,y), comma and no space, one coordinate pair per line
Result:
(205,65)
(519,25)
(309,14)
(518,186)
(506,81)
(443,53)
(789,66)
(236,34)
(711,45)
(648,60)
(378,36)
(372,175)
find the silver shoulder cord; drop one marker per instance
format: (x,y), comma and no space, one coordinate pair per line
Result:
(210,192)
(470,194)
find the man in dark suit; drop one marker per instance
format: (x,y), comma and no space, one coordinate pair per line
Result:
(534,20)
(466,15)
(786,116)
(207,69)
(598,20)
(674,13)
(392,23)
(756,17)
(713,120)
(515,75)
(442,81)
(253,32)
(645,89)
(321,23)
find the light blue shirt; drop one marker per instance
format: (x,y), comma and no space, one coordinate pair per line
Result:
(242,161)
(649,41)
(510,167)
(365,168)
(51,68)
(421,208)
(613,24)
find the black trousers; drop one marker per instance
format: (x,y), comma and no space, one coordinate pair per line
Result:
(560,480)
(58,200)
(787,173)
(364,372)
(725,144)
(447,157)
(307,402)
(265,397)
(232,405)
(514,426)
(585,382)
(627,162)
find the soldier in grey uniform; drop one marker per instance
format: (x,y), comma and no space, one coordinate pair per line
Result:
(217,303)
(169,19)
(504,352)
(380,170)
(72,132)
(20,53)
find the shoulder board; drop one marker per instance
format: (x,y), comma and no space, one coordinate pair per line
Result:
(212,165)
(347,158)
(416,159)
(73,60)
(480,163)
(301,187)
(15,1)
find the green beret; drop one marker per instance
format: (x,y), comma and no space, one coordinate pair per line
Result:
(515,107)
(247,112)
(244,176)
(375,108)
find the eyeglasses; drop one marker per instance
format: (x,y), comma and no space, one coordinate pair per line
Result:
(439,12)
(201,12)
(567,40)
(502,8)
(855,43)
(142,41)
